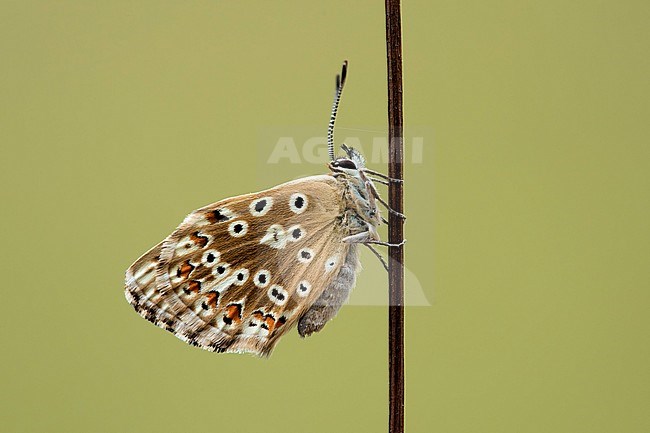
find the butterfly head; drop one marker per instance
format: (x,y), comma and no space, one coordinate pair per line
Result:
(350,170)
(351,164)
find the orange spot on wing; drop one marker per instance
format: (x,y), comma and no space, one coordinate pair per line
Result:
(201,241)
(194,286)
(186,269)
(270,322)
(212,298)
(233,312)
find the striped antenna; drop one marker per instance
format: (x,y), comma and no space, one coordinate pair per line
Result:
(340,82)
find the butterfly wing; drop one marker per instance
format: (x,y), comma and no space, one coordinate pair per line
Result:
(237,274)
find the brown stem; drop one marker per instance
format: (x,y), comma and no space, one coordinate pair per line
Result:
(396,223)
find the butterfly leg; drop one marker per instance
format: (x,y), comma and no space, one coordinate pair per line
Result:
(369,238)
(389,179)
(390,209)
(386,244)
(383,182)
(361,238)
(381,200)
(379,256)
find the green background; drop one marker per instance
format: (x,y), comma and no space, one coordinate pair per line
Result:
(528,215)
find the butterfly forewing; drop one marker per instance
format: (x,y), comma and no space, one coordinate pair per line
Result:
(237,274)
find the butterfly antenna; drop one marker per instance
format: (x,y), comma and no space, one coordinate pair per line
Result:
(340,82)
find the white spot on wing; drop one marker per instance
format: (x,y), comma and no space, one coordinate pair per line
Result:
(305,255)
(221,270)
(261,206)
(330,264)
(238,228)
(295,233)
(210,258)
(304,287)
(225,284)
(298,203)
(241,275)
(253,326)
(275,237)
(266,278)
(277,294)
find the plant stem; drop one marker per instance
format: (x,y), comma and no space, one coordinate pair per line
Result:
(396,224)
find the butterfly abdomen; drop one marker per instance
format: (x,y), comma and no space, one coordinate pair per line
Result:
(333,297)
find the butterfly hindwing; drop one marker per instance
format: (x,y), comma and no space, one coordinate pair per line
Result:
(237,274)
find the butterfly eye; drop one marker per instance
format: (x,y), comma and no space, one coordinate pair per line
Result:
(345,163)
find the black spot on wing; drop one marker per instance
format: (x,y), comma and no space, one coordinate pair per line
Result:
(260,205)
(217,216)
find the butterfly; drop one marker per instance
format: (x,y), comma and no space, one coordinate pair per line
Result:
(238,274)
